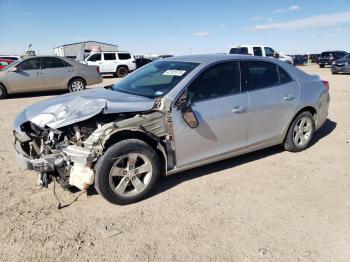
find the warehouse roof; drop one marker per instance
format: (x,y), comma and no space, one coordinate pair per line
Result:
(86,42)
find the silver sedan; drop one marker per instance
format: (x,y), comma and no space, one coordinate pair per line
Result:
(45,73)
(169,116)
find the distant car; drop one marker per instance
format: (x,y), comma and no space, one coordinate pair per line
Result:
(257,50)
(341,65)
(10,57)
(328,57)
(166,117)
(314,58)
(47,73)
(298,60)
(4,63)
(117,63)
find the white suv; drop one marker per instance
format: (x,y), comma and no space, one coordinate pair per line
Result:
(117,63)
(257,50)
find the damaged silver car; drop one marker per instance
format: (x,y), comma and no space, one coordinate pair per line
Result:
(169,116)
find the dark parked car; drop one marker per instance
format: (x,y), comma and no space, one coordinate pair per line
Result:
(341,65)
(298,60)
(327,58)
(142,61)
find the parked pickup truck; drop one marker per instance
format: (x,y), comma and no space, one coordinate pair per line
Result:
(258,50)
(328,57)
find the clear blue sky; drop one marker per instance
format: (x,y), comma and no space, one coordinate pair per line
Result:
(290,26)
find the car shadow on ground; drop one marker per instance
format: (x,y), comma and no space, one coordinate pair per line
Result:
(167,183)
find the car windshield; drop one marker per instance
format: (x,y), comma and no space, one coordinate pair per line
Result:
(347,56)
(155,79)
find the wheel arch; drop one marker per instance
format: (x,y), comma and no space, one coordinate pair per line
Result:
(6,90)
(76,77)
(146,137)
(123,65)
(310,109)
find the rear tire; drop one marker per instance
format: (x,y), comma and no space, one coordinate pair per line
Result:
(76,84)
(300,132)
(122,71)
(321,66)
(335,73)
(127,172)
(3,92)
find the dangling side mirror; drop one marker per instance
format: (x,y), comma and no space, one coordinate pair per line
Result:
(190,117)
(184,104)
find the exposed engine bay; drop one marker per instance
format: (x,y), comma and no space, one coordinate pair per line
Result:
(68,154)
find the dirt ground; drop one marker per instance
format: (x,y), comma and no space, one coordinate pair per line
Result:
(269,205)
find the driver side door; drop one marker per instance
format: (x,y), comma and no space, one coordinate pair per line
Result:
(220,109)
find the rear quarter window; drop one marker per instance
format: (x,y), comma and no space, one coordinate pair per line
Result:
(239,50)
(260,74)
(124,56)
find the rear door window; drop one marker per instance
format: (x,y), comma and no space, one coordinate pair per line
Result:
(219,80)
(109,56)
(284,76)
(95,57)
(257,51)
(124,56)
(259,74)
(30,64)
(53,62)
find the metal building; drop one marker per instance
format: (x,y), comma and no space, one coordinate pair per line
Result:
(80,49)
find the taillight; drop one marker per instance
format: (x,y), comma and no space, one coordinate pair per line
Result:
(326,84)
(98,69)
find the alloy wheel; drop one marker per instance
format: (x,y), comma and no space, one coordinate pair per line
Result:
(302,131)
(77,85)
(130,174)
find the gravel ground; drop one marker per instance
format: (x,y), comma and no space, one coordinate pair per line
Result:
(270,205)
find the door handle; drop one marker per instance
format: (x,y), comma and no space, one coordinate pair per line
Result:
(288,97)
(239,109)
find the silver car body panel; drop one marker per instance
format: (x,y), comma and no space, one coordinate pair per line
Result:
(222,133)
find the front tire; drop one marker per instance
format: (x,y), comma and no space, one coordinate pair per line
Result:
(3,92)
(76,84)
(127,172)
(300,132)
(321,66)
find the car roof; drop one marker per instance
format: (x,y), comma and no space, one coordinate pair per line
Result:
(212,58)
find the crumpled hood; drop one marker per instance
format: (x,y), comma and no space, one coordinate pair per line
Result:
(68,109)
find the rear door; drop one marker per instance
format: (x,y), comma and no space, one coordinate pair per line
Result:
(220,108)
(56,73)
(110,63)
(273,97)
(127,59)
(28,76)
